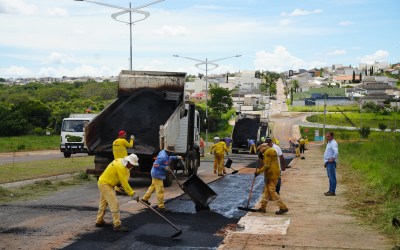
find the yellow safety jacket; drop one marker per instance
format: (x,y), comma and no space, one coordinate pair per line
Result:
(271,165)
(219,148)
(116,173)
(119,147)
(302,141)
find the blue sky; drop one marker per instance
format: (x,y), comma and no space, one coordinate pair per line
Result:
(70,38)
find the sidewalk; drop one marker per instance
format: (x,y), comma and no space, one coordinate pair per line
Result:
(314,221)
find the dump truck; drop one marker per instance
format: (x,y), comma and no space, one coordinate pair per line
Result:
(247,126)
(150,105)
(72,134)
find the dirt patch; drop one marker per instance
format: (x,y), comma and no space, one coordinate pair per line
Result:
(224,231)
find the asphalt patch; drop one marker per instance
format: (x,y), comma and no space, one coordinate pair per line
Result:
(200,230)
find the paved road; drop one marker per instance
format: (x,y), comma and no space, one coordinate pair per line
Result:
(6,158)
(66,217)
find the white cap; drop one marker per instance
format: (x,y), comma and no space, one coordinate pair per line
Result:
(132,159)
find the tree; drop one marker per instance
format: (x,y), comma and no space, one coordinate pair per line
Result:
(364,132)
(291,96)
(354,76)
(360,77)
(382,127)
(295,85)
(200,75)
(221,100)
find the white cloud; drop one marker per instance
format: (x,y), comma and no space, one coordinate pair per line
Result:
(168,30)
(285,22)
(57,12)
(15,72)
(17,7)
(337,52)
(280,60)
(82,70)
(346,23)
(378,56)
(58,58)
(300,12)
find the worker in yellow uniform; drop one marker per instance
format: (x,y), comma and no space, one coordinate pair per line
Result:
(272,173)
(115,174)
(302,143)
(119,150)
(120,145)
(158,174)
(306,141)
(219,149)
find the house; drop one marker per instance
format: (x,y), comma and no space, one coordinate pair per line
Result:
(377,98)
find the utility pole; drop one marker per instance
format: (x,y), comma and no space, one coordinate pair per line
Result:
(324,119)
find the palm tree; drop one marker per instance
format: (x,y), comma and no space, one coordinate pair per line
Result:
(295,85)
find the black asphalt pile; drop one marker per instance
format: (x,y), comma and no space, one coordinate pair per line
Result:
(140,114)
(148,231)
(244,129)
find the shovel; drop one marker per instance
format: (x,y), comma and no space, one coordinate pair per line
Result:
(248,201)
(168,221)
(228,164)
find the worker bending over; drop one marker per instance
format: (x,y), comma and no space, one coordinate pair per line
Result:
(219,149)
(115,174)
(271,175)
(252,146)
(158,174)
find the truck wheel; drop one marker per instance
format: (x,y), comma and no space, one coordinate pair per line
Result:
(67,154)
(168,180)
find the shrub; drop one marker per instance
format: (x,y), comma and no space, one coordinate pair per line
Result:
(382,126)
(364,132)
(38,131)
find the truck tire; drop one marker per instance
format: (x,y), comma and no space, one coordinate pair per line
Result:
(67,154)
(168,180)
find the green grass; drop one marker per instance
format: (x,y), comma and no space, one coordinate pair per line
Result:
(371,170)
(329,91)
(40,188)
(321,108)
(45,168)
(371,120)
(31,142)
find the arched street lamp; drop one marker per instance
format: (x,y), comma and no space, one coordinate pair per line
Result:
(206,63)
(125,11)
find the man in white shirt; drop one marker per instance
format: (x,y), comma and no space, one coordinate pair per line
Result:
(282,163)
(330,157)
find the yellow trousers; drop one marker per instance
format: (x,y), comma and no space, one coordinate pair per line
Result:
(219,163)
(108,198)
(270,191)
(253,149)
(297,151)
(158,186)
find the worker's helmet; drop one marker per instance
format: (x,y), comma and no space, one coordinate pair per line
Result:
(217,139)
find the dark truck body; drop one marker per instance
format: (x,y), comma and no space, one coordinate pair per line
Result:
(247,126)
(150,106)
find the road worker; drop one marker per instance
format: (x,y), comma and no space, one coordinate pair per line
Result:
(271,175)
(252,146)
(219,149)
(158,174)
(115,174)
(306,142)
(120,145)
(282,163)
(119,150)
(302,143)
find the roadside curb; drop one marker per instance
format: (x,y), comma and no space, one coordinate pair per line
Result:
(27,182)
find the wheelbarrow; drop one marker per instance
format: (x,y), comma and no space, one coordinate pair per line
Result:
(198,191)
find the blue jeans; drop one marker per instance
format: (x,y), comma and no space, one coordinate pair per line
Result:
(331,170)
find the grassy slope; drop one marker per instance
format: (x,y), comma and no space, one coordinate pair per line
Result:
(31,142)
(372,171)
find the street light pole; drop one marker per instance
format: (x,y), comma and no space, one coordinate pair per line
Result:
(206,62)
(124,11)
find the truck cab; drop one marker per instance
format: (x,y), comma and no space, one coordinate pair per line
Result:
(72,134)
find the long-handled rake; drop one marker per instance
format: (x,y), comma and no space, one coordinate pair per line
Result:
(248,201)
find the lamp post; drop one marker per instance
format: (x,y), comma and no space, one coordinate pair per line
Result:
(206,62)
(125,11)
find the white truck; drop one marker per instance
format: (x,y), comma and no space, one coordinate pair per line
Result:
(150,106)
(72,134)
